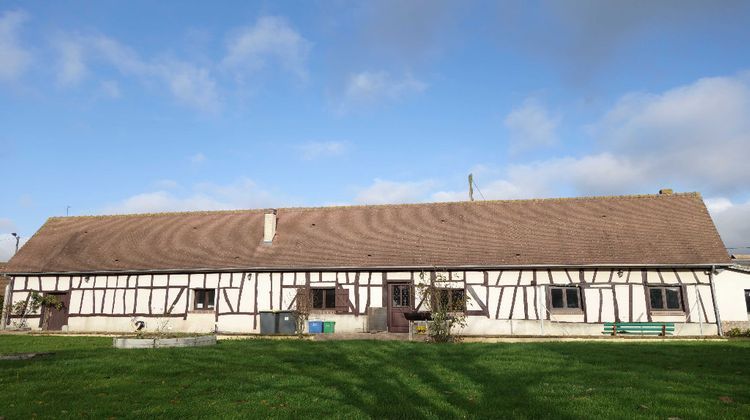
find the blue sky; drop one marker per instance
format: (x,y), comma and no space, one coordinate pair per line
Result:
(114,107)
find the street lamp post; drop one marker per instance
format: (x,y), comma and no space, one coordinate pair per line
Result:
(18,238)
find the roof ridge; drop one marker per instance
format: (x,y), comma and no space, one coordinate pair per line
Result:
(438,203)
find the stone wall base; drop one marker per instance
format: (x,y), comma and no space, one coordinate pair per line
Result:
(728,325)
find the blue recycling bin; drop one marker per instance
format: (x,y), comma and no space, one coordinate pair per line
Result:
(315,327)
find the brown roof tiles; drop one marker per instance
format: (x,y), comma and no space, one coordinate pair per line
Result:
(628,230)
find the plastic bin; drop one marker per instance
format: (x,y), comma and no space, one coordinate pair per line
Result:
(329,327)
(286,322)
(315,327)
(268,322)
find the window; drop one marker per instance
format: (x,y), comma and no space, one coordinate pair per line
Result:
(565,299)
(453,299)
(401,296)
(665,298)
(204,298)
(323,298)
(747,300)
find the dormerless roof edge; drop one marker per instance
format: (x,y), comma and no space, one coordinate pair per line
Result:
(382,268)
(658,231)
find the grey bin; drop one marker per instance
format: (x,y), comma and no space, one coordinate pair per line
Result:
(286,322)
(267,322)
(281,322)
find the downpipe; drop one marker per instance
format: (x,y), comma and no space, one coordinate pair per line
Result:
(713,299)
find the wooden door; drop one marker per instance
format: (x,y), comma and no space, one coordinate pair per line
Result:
(400,300)
(58,317)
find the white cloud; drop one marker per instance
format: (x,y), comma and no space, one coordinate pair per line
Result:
(123,58)
(6,225)
(691,135)
(166,184)
(271,39)
(390,192)
(244,193)
(368,87)
(160,201)
(733,222)
(499,189)
(189,84)
(8,241)
(72,66)
(8,246)
(319,149)
(601,174)
(14,58)
(718,204)
(198,158)
(531,126)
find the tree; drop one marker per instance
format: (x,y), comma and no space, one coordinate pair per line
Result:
(447,307)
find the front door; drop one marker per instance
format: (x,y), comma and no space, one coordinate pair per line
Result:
(58,317)
(399,302)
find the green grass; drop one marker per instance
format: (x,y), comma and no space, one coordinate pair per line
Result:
(290,378)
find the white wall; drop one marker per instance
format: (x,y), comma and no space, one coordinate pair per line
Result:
(730,295)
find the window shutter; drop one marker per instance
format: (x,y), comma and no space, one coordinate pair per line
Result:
(342,300)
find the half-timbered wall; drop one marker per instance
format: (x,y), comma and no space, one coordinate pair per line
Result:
(500,301)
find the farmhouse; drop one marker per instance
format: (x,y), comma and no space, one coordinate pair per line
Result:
(529,267)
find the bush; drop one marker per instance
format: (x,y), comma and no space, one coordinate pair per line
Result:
(738,332)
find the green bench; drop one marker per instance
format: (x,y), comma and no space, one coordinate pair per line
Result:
(639,328)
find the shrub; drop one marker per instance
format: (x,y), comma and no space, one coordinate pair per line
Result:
(738,332)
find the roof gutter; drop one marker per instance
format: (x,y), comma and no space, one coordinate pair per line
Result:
(711,266)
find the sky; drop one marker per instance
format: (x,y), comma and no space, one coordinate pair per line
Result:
(130,107)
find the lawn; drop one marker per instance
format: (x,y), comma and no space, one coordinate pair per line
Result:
(291,378)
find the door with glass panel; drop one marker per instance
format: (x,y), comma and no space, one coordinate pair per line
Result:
(400,301)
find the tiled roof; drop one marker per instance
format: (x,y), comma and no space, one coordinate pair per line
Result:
(3,279)
(673,229)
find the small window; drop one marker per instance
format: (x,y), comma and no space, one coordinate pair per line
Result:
(747,300)
(204,298)
(452,299)
(565,298)
(401,296)
(324,298)
(665,298)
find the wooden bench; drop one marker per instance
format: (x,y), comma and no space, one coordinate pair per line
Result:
(640,328)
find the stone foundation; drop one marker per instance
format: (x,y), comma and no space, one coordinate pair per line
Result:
(728,325)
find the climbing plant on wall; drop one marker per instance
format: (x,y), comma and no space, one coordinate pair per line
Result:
(303,307)
(35,302)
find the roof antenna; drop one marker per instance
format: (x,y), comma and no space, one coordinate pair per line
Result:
(471,187)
